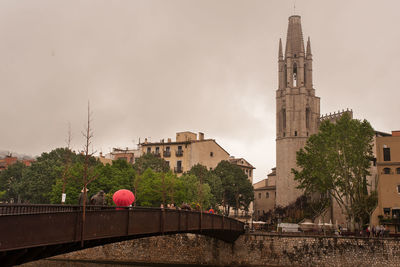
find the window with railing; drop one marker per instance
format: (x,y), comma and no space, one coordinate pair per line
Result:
(167,152)
(179,152)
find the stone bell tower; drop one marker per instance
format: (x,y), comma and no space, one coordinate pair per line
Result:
(297,109)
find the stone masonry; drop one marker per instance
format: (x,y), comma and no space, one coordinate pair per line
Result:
(248,250)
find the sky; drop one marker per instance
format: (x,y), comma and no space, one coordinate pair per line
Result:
(151,68)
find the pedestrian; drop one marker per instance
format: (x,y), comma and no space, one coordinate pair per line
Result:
(373,231)
(81,196)
(98,199)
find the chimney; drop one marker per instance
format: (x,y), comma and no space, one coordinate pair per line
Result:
(201,136)
(169,140)
(396,133)
(145,140)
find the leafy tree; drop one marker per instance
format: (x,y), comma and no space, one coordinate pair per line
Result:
(12,183)
(336,161)
(213,181)
(237,189)
(151,161)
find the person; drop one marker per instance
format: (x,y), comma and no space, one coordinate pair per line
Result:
(373,231)
(98,199)
(81,197)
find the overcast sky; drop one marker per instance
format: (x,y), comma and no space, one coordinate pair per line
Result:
(154,67)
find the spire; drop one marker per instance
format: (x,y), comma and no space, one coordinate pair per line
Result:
(308,47)
(280,49)
(294,38)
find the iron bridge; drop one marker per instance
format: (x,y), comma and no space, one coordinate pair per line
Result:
(33,232)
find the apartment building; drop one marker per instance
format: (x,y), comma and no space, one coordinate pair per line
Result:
(186,151)
(387,211)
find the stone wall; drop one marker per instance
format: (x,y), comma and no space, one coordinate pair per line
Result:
(249,250)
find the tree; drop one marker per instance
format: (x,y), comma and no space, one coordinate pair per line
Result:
(151,161)
(213,181)
(237,189)
(12,181)
(336,161)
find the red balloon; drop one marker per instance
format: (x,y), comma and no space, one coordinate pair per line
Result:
(123,198)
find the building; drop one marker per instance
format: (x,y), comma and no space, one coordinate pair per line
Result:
(297,109)
(126,154)
(10,160)
(265,195)
(244,165)
(186,151)
(387,211)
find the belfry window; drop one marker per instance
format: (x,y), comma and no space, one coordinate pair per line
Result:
(295,75)
(308,117)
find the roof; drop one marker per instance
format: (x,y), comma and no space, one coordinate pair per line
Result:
(271,187)
(182,143)
(294,38)
(238,161)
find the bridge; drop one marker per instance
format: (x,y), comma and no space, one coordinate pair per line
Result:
(33,232)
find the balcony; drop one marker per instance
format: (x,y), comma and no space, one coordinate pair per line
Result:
(179,153)
(167,154)
(178,169)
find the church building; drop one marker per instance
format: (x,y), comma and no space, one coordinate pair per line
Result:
(297,109)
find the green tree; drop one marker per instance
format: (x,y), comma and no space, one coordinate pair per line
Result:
(12,183)
(213,181)
(237,189)
(336,161)
(151,161)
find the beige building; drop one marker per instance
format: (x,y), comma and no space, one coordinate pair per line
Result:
(126,154)
(244,165)
(265,195)
(387,211)
(186,151)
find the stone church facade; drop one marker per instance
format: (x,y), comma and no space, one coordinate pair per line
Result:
(297,109)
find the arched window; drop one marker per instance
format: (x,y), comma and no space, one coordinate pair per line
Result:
(295,74)
(305,71)
(308,114)
(285,78)
(266,195)
(386,170)
(398,170)
(284,118)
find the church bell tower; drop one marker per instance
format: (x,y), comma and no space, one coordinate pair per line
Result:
(297,109)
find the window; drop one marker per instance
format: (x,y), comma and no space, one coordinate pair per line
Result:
(386,170)
(295,133)
(398,189)
(398,171)
(259,195)
(374,161)
(157,150)
(295,75)
(249,172)
(284,119)
(386,154)
(266,195)
(211,154)
(386,211)
(149,150)
(308,117)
